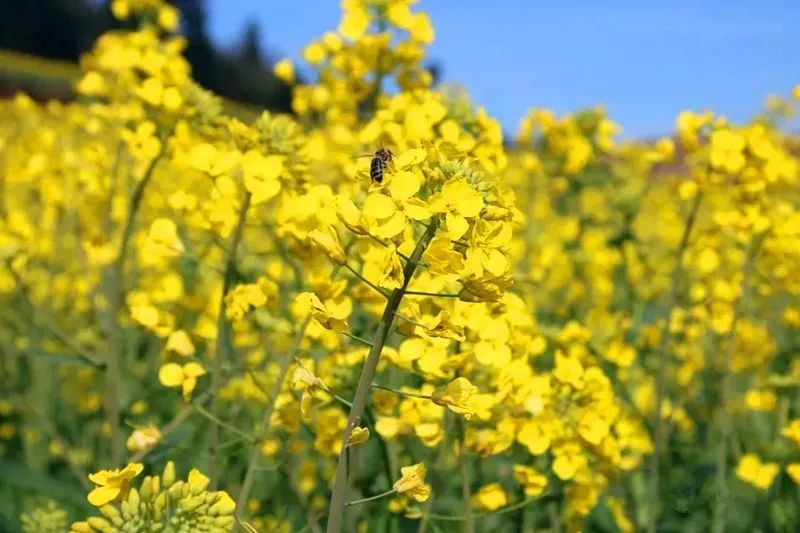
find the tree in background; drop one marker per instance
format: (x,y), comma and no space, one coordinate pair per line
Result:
(64,29)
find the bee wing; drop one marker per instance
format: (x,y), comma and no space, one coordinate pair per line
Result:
(363,155)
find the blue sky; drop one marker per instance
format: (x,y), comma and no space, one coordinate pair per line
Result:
(644,60)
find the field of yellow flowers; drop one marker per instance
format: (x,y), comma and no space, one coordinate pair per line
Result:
(207,325)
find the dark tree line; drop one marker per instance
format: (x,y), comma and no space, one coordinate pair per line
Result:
(63,29)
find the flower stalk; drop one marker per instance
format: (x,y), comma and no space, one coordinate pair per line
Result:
(222,343)
(722,494)
(663,363)
(114,285)
(336,510)
(247,482)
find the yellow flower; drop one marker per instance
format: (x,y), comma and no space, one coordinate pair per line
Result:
(412,482)
(760,400)
(261,175)
(533,482)
(458,201)
(792,431)
(359,436)
(284,70)
(457,396)
(592,427)
(756,473)
(727,151)
(391,269)
(328,241)
(490,497)
(304,379)
(355,21)
(143,438)
(168,17)
(163,239)
(533,435)
(244,297)
(175,375)
(569,460)
(179,343)
(335,319)
(568,370)
(113,485)
(793,469)
(120,9)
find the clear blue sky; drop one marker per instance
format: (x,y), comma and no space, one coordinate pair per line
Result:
(644,60)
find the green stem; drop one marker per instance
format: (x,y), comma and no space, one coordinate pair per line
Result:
(336,510)
(365,280)
(173,424)
(50,429)
(357,339)
(504,510)
(247,482)
(434,294)
(47,323)
(371,498)
(721,504)
(114,293)
(443,451)
(221,345)
(402,393)
(214,419)
(466,490)
(663,362)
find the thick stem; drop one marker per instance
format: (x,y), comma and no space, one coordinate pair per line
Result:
(663,361)
(247,482)
(221,345)
(336,511)
(114,293)
(721,503)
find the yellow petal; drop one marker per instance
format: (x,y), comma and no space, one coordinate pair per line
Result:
(470,205)
(171,375)
(404,185)
(355,22)
(260,189)
(415,156)
(180,343)
(202,155)
(225,161)
(164,230)
(417,209)
(378,206)
(449,130)
(197,481)
(102,495)
(187,387)
(422,29)
(265,167)
(193,370)
(359,436)
(457,225)
(495,262)
(391,227)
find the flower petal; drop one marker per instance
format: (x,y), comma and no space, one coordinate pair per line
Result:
(171,375)
(404,185)
(102,495)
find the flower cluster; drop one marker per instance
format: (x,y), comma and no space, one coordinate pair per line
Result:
(160,503)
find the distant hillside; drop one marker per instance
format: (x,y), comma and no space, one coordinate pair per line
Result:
(47,79)
(64,29)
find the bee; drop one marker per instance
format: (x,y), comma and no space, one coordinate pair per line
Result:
(378,164)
